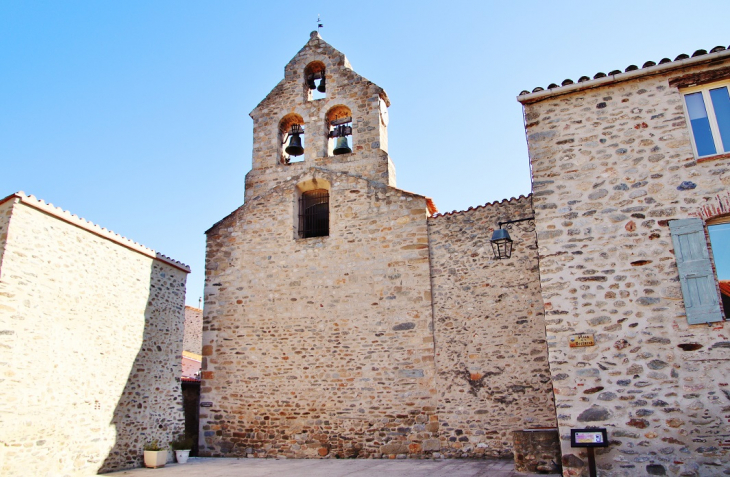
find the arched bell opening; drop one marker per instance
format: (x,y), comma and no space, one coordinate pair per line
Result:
(339,131)
(291,140)
(315,81)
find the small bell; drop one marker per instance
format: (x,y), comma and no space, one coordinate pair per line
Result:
(322,87)
(310,82)
(295,146)
(341,146)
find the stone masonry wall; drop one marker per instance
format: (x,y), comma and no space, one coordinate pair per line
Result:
(320,346)
(491,355)
(611,166)
(90,338)
(5,210)
(193,340)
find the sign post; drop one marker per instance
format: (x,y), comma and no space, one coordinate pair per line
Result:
(589,438)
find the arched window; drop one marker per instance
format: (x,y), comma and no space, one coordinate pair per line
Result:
(291,130)
(339,124)
(315,81)
(314,213)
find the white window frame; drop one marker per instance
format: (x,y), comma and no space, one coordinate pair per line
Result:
(714,128)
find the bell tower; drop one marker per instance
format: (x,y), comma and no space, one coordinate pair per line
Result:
(321,115)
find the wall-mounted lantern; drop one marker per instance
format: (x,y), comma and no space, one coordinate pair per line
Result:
(502,242)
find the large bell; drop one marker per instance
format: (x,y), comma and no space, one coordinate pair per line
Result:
(322,87)
(295,146)
(341,146)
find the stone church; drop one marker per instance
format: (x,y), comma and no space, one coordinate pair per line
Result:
(345,317)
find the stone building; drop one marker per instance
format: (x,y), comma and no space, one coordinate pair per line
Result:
(343,317)
(91,331)
(630,171)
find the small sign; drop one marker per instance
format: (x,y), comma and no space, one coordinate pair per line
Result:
(589,437)
(582,340)
(206,404)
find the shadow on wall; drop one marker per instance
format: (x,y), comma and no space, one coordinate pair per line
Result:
(150,406)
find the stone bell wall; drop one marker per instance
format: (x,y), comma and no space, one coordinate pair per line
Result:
(491,356)
(320,346)
(90,344)
(364,99)
(611,166)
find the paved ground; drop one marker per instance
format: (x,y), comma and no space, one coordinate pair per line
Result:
(219,467)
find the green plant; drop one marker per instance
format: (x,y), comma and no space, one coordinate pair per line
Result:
(183,442)
(153,446)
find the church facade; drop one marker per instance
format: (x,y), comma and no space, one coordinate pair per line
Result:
(343,317)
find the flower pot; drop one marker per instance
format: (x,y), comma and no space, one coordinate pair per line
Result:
(155,459)
(182,456)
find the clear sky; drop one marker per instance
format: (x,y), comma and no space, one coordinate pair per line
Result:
(134,114)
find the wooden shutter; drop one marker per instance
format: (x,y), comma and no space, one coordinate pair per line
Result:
(699,290)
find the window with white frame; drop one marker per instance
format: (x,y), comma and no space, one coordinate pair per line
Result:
(708,109)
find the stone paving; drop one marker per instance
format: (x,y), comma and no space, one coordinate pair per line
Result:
(224,467)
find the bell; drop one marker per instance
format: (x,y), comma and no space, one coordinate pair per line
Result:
(341,146)
(295,146)
(310,82)
(322,87)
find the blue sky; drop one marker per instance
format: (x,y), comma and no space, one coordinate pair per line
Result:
(134,115)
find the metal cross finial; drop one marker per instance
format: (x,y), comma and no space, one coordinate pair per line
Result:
(319,24)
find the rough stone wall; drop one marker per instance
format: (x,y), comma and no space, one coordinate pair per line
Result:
(369,158)
(5,211)
(319,346)
(491,357)
(90,342)
(611,166)
(193,340)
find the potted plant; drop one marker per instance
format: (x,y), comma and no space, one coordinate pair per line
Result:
(182,446)
(154,455)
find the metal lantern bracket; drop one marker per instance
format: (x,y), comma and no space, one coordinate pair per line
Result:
(514,221)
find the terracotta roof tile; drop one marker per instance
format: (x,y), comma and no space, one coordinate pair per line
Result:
(648,64)
(488,204)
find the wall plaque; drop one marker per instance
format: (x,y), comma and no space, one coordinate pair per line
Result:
(582,340)
(206,404)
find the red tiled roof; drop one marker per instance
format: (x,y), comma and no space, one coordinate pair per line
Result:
(725,287)
(488,204)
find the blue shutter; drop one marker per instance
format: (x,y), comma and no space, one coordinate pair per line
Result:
(701,300)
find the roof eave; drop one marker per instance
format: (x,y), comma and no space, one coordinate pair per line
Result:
(629,75)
